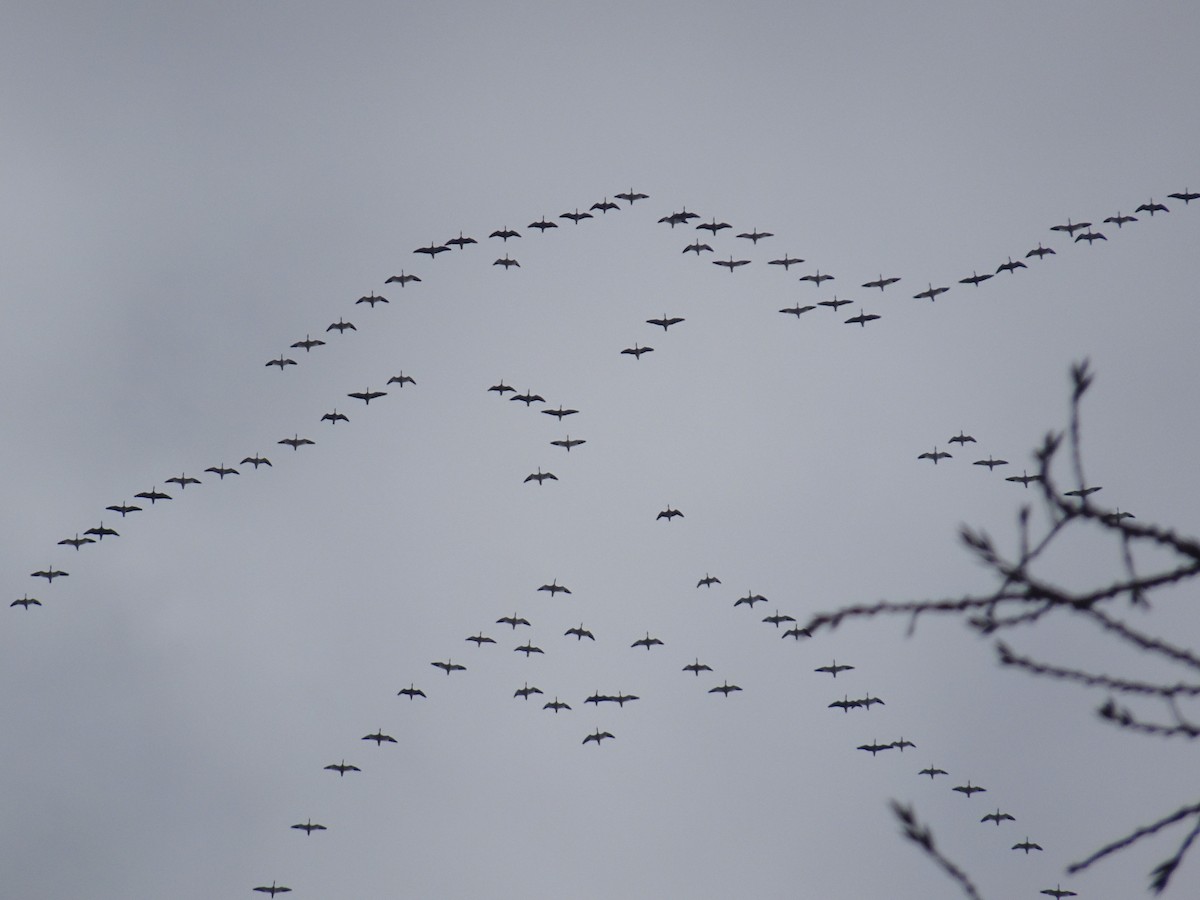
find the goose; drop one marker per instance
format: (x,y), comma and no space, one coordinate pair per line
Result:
(697,667)
(646,642)
(183,480)
(402,379)
(622,698)
(528,398)
(560,412)
(507,261)
(411,692)
(580,633)
(49,574)
(1091,237)
(309,827)
(708,581)
(862,319)
(555,588)
(816,278)
(460,242)
(26,602)
(556,705)
(990,463)
(256,461)
(998,817)
(1026,845)
(334,417)
(540,477)
(880,282)
(526,691)
(527,648)
(1185,195)
(1010,266)
(777,619)
(961,438)
(902,743)
(785,261)
(930,293)
(402,279)
(296,442)
(449,666)
(696,247)
(1040,252)
(1116,516)
(273,889)
(669,514)
(796,632)
(542,225)
(968,789)
(77,541)
(631,197)
(220,471)
(604,206)
(935,455)
(1081,492)
(123,508)
(433,250)
(750,600)
(153,495)
(1071,228)
(1058,892)
(101,532)
(755,236)
(342,768)
(505,233)
(725,689)
(512,620)
(567,443)
(874,747)
(371,298)
(502,387)
(1151,208)
(845,704)
(480,639)
(1119,220)
(931,771)
(731,263)
(975,278)
(597,736)
(1024,478)
(308,343)
(664,322)
(576,216)
(797,310)
(340,326)
(367,396)
(281,362)
(636,351)
(379,737)
(834,303)
(714,226)
(833,668)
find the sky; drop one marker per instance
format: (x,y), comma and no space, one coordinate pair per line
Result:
(188,190)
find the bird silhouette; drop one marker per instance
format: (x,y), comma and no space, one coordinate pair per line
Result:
(1040,252)
(835,303)
(556,705)
(49,574)
(153,495)
(636,351)
(816,278)
(1151,208)
(597,736)
(874,747)
(567,443)
(833,668)
(932,771)
(669,514)
(750,600)
(308,343)
(281,362)
(309,827)
(997,817)
(433,250)
(725,689)
(342,768)
(797,310)
(1090,236)
(785,261)
(555,588)
(862,319)
(220,471)
(256,461)
(26,602)
(990,463)
(902,743)
(505,233)
(576,216)
(975,278)
(579,633)
(479,639)
(77,541)
(379,737)
(101,532)
(697,667)
(540,477)
(525,691)
(449,666)
(528,398)
(604,206)
(402,279)
(340,326)
(961,438)
(334,417)
(273,889)
(460,242)
(507,261)
(646,642)
(1185,195)
(880,282)
(371,299)
(664,322)
(1119,220)
(968,789)
(367,396)
(778,619)
(543,224)
(731,263)
(1081,492)
(296,442)
(796,632)
(708,581)
(411,692)
(527,648)
(1027,845)
(1024,478)
(845,704)
(631,196)
(123,508)
(560,412)
(1070,228)
(1010,266)
(714,226)
(402,379)
(935,455)
(512,620)
(183,480)
(755,236)
(697,246)
(502,387)
(1058,892)
(930,293)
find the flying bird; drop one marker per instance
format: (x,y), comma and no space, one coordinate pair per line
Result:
(449,666)
(961,438)
(461,241)
(714,226)
(542,225)
(560,412)
(990,463)
(576,216)
(1039,251)
(402,279)
(273,889)
(524,692)
(731,263)
(646,642)
(874,747)
(880,282)
(528,398)
(834,303)
(1071,228)
(968,789)
(930,293)
(334,417)
(567,443)
(796,632)
(512,620)
(845,704)
(664,322)
(935,455)
(1027,845)
(411,692)
(1151,208)
(637,351)
(502,387)
(101,532)
(26,602)
(367,396)
(604,206)
(631,196)
(797,310)
(221,471)
(256,461)
(902,743)
(975,278)
(1081,492)
(371,298)
(309,827)
(281,362)
(505,233)
(402,379)
(507,261)
(579,633)
(1010,266)
(816,278)
(997,817)
(1058,892)
(862,319)
(785,261)
(77,541)
(1119,220)
(296,442)
(556,705)
(1185,195)
(932,771)
(1091,237)
(708,581)
(308,343)
(697,667)
(833,668)
(379,737)
(433,250)
(340,326)
(669,514)
(480,639)
(597,736)
(49,574)
(342,768)
(540,477)
(755,236)
(697,246)
(725,689)
(750,600)
(1024,478)
(555,588)
(123,508)
(183,480)
(154,495)
(778,619)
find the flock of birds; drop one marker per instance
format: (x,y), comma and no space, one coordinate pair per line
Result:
(649,643)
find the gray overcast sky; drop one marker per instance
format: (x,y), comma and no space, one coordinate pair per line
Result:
(186,190)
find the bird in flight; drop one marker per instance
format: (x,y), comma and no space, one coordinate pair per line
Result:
(998,817)
(862,319)
(1024,478)
(597,736)
(309,827)
(411,692)
(49,574)
(256,461)
(778,619)
(664,322)
(1090,236)
(342,768)
(1039,251)
(555,588)
(605,206)
(1058,893)
(1081,492)
(874,747)
(449,666)
(714,226)
(696,246)
(679,218)
(935,455)
(579,633)
(479,639)
(183,480)
(402,379)
(631,197)
(281,362)
(334,417)
(636,351)
(961,438)
(968,789)
(755,236)
(930,293)
(990,463)
(371,298)
(576,216)
(833,668)
(560,412)
(1027,845)
(697,667)
(669,514)
(528,398)
(880,282)
(1070,228)
(816,278)
(507,261)
(835,303)
(77,541)
(460,242)
(379,737)
(1185,195)
(101,532)
(367,396)
(123,508)
(308,343)
(296,442)
(512,620)
(540,477)
(543,224)
(731,263)
(221,471)
(340,326)
(524,692)
(502,387)
(646,642)
(750,600)
(785,261)
(505,233)
(556,705)
(26,602)
(975,278)
(845,704)
(725,689)
(708,581)
(153,495)
(932,771)
(797,310)
(402,279)
(567,443)
(796,632)
(274,889)
(902,743)
(1119,220)
(1010,266)
(433,250)
(1151,208)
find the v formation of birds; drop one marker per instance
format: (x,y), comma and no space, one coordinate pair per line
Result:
(846,704)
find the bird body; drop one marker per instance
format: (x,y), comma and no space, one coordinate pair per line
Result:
(930,293)
(371,299)
(367,396)
(505,233)
(433,250)
(334,417)
(646,642)
(309,827)
(880,282)
(862,319)
(256,461)
(402,379)
(340,326)
(935,455)
(816,278)
(664,322)
(379,737)
(540,477)
(123,508)
(997,817)
(411,692)
(697,667)
(968,789)
(833,668)
(507,261)
(990,463)
(449,666)
(402,279)
(296,442)
(755,236)
(932,771)
(636,351)
(669,514)
(785,261)
(77,541)
(576,216)
(153,495)
(221,471)
(725,689)
(460,242)
(597,736)
(580,633)
(342,768)
(281,362)
(525,691)
(731,263)
(797,310)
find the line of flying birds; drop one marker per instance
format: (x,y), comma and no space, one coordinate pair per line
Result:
(648,642)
